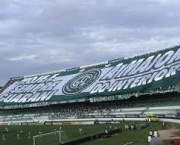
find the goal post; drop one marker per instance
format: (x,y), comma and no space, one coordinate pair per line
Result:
(51,138)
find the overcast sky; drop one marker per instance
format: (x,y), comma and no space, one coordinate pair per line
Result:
(48,35)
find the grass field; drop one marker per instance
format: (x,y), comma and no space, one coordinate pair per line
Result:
(139,137)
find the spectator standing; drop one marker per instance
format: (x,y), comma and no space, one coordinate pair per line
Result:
(149,139)
(151,133)
(155,134)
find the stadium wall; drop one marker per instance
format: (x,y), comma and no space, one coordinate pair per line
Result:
(82,121)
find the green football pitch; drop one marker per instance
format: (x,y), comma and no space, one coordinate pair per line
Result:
(138,137)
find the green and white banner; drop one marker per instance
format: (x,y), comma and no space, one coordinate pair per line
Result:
(121,76)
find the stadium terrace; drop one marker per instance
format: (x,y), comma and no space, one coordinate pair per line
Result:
(116,77)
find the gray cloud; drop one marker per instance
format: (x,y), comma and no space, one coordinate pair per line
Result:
(41,35)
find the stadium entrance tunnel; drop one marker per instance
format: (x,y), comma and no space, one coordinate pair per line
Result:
(93,137)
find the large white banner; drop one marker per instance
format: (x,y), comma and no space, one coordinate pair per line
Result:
(127,74)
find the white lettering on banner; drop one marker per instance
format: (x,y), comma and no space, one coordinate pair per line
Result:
(133,70)
(125,75)
(175,57)
(32,90)
(144,65)
(111,73)
(157,68)
(163,59)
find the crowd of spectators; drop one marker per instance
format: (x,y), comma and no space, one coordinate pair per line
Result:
(169,88)
(76,109)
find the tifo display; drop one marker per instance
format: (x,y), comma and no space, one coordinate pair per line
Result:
(125,76)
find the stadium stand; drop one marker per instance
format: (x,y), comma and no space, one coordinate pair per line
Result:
(132,106)
(125,87)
